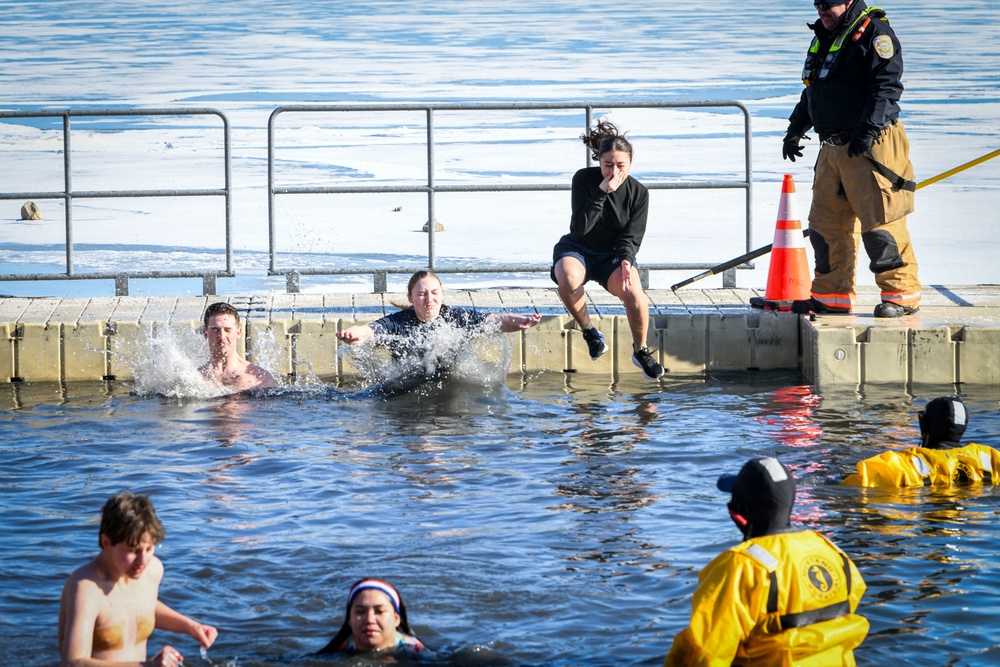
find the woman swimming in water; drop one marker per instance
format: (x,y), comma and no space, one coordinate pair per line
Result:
(376,621)
(429,340)
(425,293)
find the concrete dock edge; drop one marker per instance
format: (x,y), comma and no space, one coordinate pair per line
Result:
(954,338)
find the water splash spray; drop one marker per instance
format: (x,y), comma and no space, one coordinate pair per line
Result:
(166,362)
(479,356)
(227,663)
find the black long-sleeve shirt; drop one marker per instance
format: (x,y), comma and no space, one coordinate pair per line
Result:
(861,91)
(603,221)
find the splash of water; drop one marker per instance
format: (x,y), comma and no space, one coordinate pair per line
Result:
(166,363)
(227,663)
(479,356)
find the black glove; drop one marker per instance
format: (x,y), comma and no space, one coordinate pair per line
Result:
(861,143)
(790,147)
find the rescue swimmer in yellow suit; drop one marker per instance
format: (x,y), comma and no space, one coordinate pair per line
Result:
(940,460)
(782,597)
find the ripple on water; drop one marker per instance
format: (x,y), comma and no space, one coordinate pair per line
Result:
(563,522)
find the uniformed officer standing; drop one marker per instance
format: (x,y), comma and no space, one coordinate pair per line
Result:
(782,596)
(851,97)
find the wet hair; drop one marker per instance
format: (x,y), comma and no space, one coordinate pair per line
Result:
(221,308)
(605,137)
(942,423)
(420,275)
(377,584)
(128,517)
(414,279)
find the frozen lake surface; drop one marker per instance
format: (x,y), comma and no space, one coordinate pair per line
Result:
(246,57)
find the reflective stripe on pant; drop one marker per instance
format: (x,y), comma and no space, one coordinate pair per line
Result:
(846,191)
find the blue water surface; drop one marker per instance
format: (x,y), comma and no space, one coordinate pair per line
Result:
(559,521)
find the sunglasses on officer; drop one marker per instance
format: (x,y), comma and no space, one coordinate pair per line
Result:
(825,6)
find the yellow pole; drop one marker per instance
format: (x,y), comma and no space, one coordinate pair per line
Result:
(754,254)
(962,167)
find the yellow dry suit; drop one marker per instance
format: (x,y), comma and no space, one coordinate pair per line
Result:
(778,600)
(971,464)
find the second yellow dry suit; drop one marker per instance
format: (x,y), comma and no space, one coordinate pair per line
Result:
(971,464)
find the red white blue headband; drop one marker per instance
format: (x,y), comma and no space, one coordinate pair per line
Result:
(378,585)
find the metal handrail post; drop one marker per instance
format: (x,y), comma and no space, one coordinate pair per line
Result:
(431,213)
(271,212)
(227,158)
(749,173)
(68,199)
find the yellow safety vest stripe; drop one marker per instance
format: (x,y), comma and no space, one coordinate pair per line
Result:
(810,74)
(802,618)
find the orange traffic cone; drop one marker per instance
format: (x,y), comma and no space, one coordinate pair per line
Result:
(788,276)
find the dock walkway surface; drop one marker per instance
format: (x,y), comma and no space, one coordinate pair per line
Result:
(955,337)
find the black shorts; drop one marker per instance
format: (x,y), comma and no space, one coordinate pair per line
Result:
(600,264)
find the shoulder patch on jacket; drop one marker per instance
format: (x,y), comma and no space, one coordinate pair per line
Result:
(883,46)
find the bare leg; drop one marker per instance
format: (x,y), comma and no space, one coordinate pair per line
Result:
(636,305)
(571,275)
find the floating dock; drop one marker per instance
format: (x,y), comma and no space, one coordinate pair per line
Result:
(955,337)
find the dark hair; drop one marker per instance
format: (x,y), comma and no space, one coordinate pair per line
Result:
(127,517)
(420,275)
(604,138)
(414,279)
(345,629)
(221,308)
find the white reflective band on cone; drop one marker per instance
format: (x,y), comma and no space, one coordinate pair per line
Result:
(787,209)
(788,238)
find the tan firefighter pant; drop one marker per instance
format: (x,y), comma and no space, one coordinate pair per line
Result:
(852,202)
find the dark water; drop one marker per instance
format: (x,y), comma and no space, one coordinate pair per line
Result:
(558,520)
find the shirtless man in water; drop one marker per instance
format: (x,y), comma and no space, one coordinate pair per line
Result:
(109,606)
(226,367)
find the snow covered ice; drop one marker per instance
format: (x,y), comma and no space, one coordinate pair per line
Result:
(247,57)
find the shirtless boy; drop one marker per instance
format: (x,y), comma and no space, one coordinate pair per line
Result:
(226,367)
(109,606)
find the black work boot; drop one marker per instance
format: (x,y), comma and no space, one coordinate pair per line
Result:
(886,309)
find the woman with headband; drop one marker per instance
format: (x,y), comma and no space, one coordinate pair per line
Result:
(375,621)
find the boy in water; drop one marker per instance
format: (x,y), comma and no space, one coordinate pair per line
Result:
(109,606)
(226,367)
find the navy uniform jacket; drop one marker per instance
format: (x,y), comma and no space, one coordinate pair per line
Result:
(862,88)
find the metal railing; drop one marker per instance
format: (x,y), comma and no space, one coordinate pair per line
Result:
(68,195)
(292,274)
